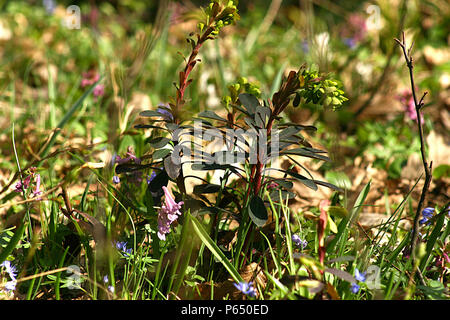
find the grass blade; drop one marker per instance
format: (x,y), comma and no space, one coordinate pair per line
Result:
(215,250)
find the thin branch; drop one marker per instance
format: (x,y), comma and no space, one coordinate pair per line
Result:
(428,168)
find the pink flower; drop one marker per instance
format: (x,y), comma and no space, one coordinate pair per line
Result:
(99,90)
(168,213)
(89,78)
(37,192)
(409,106)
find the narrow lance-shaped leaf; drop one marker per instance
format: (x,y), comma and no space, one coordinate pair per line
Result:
(257,211)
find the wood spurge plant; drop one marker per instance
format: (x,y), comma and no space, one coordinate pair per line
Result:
(247,169)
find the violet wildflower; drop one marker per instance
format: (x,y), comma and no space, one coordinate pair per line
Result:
(10,269)
(49,6)
(164,111)
(427,213)
(116,179)
(130,156)
(355,30)
(11,285)
(246,288)
(122,247)
(360,276)
(151,177)
(299,242)
(355,288)
(12,272)
(168,213)
(24,184)
(305,46)
(106,281)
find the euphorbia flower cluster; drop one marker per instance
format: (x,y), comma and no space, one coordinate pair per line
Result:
(168,213)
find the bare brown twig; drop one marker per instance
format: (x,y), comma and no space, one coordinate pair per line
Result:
(428,168)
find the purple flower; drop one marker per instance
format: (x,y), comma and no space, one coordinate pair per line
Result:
(36,191)
(360,276)
(98,91)
(164,111)
(168,213)
(130,156)
(116,179)
(246,288)
(49,6)
(427,213)
(299,242)
(122,246)
(350,42)
(355,288)
(105,281)
(407,100)
(11,285)
(89,78)
(151,177)
(19,187)
(305,46)
(10,269)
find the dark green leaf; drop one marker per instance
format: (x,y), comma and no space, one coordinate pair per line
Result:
(172,168)
(249,101)
(150,113)
(257,211)
(160,153)
(206,188)
(211,115)
(159,181)
(159,142)
(305,153)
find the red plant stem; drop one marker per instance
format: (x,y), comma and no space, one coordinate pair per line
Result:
(184,75)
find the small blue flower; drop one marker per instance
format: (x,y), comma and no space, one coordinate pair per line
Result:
(423,221)
(11,285)
(360,276)
(116,179)
(428,212)
(122,246)
(164,112)
(355,288)
(299,242)
(350,42)
(246,288)
(106,281)
(305,46)
(49,5)
(10,269)
(151,177)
